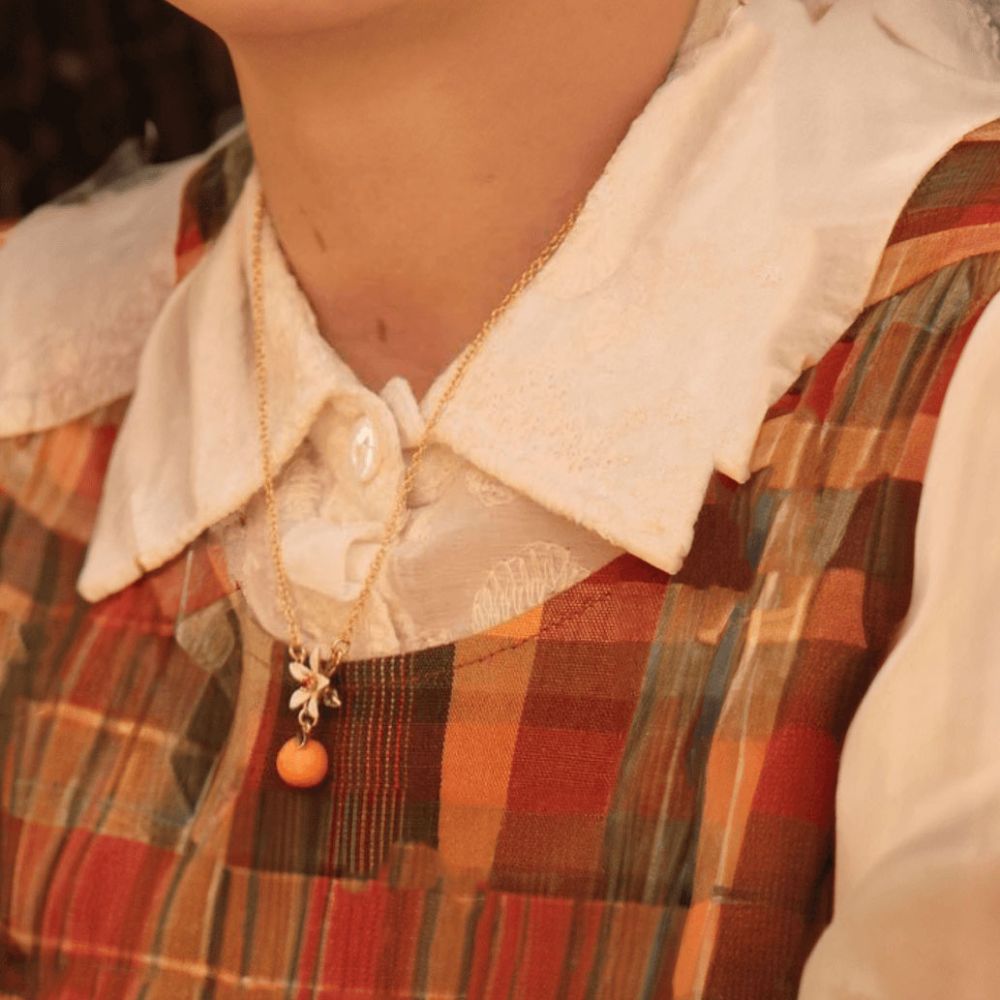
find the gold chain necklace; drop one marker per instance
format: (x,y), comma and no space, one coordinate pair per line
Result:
(302,762)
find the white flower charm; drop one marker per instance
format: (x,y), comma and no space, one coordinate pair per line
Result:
(314,687)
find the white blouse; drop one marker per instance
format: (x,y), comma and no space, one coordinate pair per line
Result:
(719,254)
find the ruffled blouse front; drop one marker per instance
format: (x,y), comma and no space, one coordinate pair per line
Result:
(472,552)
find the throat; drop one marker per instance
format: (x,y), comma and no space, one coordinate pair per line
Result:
(379,348)
(415,163)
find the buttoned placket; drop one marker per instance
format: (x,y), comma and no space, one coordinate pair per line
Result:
(358,448)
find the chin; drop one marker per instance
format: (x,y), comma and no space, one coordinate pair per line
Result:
(235,18)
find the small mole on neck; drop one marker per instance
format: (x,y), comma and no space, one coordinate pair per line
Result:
(381,330)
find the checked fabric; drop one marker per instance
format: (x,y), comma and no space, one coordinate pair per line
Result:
(627,792)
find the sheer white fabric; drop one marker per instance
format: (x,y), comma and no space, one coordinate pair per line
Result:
(472,552)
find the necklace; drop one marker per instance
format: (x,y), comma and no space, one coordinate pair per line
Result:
(302,762)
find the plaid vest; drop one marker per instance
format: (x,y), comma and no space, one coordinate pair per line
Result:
(625,792)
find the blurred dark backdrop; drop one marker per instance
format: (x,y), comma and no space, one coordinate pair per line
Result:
(78,77)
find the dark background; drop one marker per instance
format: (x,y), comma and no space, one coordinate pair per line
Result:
(78,77)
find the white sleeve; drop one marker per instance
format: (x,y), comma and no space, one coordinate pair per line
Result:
(917,894)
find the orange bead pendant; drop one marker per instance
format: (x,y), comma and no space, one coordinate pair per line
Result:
(302,765)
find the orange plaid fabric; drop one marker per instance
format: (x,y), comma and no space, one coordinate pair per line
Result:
(626,792)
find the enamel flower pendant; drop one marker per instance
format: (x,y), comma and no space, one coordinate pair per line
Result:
(315,687)
(302,761)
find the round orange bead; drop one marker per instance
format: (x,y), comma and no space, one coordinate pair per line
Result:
(302,766)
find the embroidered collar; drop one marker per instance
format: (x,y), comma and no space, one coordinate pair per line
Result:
(720,253)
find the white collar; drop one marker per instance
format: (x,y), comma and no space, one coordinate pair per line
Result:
(731,239)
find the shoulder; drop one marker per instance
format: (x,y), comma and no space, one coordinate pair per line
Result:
(83,279)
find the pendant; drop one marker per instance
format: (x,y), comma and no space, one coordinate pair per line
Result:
(303,762)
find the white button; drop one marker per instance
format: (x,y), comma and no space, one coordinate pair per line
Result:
(364,449)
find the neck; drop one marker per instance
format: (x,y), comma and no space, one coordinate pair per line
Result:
(414,163)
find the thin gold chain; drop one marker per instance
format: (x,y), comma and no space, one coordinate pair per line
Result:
(340,647)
